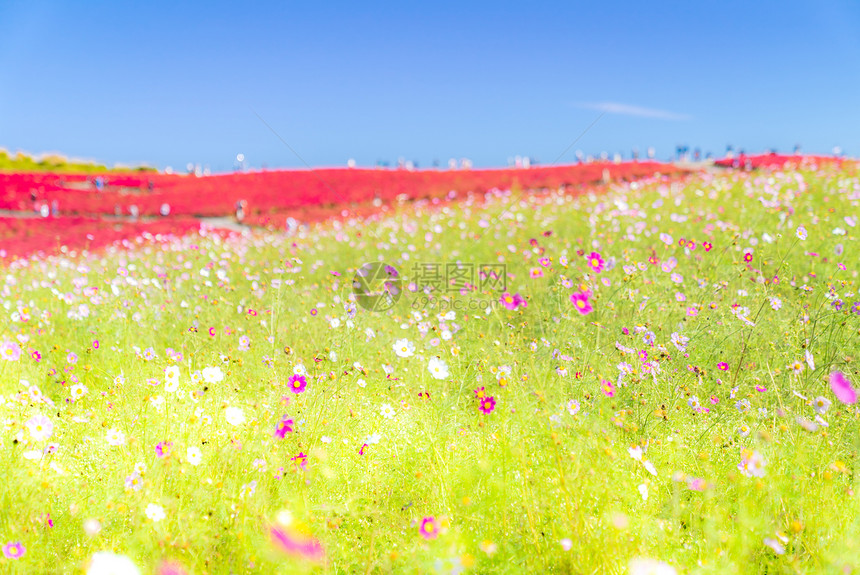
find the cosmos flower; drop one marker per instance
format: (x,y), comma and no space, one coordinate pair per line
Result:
(41,427)
(171,568)
(595,262)
(193,455)
(801,233)
(115,437)
(752,463)
(580,302)
(234,415)
(404,348)
(163,448)
(212,374)
(429,528)
(438,368)
(298,383)
(14,550)
(842,388)
(512,302)
(107,563)
(10,351)
(645,566)
(155,512)
(295,539)
(285,426)
(608,388)
(488,404)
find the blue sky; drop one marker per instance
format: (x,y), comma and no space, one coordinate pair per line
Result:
(168,83)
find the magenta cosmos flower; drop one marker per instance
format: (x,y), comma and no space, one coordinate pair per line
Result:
(298,383)
(284,427)
(608,388)
(163,448)
(14,550)
(488,404)
(595,262)
(842,388)
(295,542)
(580,302)
(10,351)
(429,529)
(512,302)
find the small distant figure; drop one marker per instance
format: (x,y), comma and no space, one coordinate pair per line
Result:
(44,210)
(150,186)
(133,211)
(164,210)
(241,209)
(100,184)
(117,210)
(55,208)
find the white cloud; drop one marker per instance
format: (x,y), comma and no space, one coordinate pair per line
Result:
(630,110)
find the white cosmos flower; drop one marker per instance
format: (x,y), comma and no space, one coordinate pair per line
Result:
(404,348)
(213,374)
(171,378)
(438,368)
(115,437)
(41,427)
(155,512)
(107,563)
(234,415)
(644,566)
(387,411)
(193,455)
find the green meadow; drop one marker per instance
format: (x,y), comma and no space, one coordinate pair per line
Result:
(547,383)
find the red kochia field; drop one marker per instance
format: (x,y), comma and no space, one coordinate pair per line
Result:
(284,190)
(83,215)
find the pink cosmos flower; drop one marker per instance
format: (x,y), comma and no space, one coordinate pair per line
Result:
(581,303)
(512,302)
(41,427)
(595,262)
(10,351)
(171,568)
(163,448)
(14,550)
(608,388)
(284,427)
(298,383)
(842,388)
(429,529)
(298,544)
(488,404)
